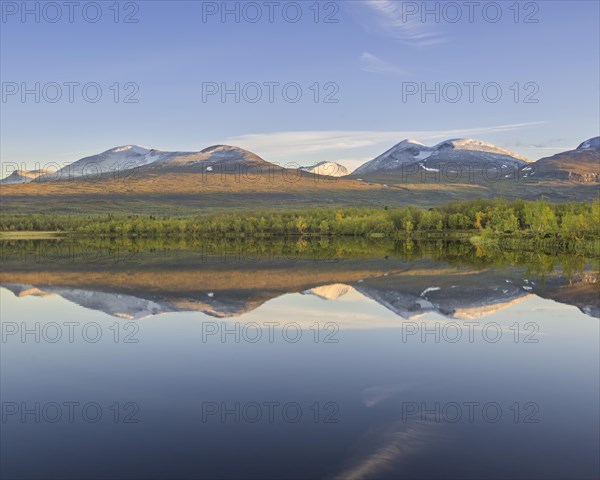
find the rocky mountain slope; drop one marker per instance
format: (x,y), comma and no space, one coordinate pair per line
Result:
(110,162)
(579,165)
(24,176)
(137,179)
(449,154)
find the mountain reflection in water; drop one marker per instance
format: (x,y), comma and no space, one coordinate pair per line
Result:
(137,279)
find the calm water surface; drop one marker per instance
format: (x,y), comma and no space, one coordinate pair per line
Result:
(188,363)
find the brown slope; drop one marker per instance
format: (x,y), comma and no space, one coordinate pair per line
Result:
(581,165)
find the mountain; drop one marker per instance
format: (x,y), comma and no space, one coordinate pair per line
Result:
(215,159)
(218,158)
(227,159)
(445,155)
(111,161)
(24,176)
(330,169)
(591,144)
(579,165)
(221,176)
(407,151)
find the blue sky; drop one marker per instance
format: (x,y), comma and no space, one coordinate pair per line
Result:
(374,52)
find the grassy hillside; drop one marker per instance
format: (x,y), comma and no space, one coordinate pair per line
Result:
(185,191)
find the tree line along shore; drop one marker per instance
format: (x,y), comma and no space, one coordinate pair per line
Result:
(485,219)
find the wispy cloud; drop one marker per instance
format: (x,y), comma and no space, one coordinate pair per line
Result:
(543,148)
(324,141)
(373,64)
(390,18)
(557,144)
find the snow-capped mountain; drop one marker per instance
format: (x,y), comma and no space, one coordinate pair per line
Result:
(115,160)
(409,157)
(330,169)
(459,151)
(591,144)
(24,176)
(130,157)
(407,151)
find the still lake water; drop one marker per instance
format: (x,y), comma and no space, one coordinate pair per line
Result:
(333,360)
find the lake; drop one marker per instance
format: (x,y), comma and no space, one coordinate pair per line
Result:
(303,358)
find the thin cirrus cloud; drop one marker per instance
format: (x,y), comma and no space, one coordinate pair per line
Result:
(390,18)
(371,63)
(288,146)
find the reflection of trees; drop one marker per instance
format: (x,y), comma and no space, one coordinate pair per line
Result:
(538,258)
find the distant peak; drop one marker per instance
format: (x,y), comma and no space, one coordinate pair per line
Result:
(477,145)
(218,148)
(467,143)
(408,144)
(410,141)
(129,148)
(331,169)
(591,144)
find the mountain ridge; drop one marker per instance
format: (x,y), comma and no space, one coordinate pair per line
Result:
(407,152)
(221,176)
(412,152)
(580,165)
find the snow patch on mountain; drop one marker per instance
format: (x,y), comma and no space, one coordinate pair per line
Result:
(330,169)
(405,152)
(477,146)
(134,148)
(591,144)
